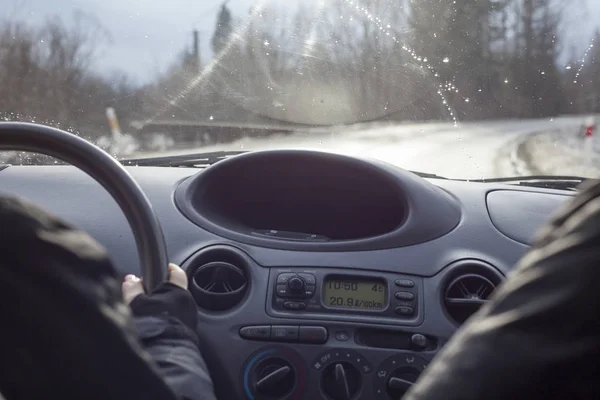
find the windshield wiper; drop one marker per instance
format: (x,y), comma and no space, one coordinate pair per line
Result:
(561,182)
(427,175)
(199,160)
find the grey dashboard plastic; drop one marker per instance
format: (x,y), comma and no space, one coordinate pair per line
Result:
(519,214)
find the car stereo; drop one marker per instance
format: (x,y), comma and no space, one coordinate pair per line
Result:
(346,294)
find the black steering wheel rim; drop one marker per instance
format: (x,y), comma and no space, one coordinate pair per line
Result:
(113,177)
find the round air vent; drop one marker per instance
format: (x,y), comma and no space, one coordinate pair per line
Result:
(468,287)
(218,277)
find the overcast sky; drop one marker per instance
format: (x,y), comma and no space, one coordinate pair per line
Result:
(148,34)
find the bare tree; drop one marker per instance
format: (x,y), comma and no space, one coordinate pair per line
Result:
(46,76)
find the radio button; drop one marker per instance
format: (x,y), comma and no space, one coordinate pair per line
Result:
(294,305)
(283,278)
(404,296)
(404,283)
(405,311)
(282,291)
(313,334)
(296,285)
(309,279)
(309,291)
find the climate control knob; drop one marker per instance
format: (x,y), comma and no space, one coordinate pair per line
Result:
(296,285)
(273,377)
(400,381)
(341,381)
(395,376)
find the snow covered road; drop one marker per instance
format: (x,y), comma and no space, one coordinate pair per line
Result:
(470,150)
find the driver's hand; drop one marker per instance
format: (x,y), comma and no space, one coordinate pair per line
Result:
(169,300)
(132,285)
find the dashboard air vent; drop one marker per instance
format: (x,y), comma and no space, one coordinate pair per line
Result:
(469,287)
(218,279)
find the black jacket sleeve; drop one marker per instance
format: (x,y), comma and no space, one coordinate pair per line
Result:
(539,337)
(166,323)
(66,332)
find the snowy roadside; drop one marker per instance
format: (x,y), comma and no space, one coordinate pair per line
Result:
(560,152)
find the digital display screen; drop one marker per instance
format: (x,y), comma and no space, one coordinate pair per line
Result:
(355,294)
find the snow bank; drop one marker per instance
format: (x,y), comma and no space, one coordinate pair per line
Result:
(562,152)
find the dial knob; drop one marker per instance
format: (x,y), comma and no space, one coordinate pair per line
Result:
(273,378)
(341,381)
(400,381)
(296,285)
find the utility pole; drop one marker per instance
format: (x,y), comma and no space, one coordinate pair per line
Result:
(528,53)
(196,51)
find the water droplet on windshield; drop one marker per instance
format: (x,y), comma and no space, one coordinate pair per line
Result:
(266,42)
(211,117)
(446,60)
(568,67)
(467,100)
(506,80)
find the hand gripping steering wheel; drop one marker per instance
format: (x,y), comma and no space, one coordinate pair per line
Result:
(109,173)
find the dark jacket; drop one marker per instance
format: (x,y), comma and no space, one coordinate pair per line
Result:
(539,337)
(166,324)
(65,332)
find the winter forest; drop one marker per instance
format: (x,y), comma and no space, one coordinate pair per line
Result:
(323,63)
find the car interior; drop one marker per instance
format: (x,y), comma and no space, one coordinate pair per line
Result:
(316,275)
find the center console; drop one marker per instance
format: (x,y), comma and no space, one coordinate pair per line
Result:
(327,332)
(355,351)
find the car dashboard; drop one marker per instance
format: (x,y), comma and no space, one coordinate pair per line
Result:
(317,275)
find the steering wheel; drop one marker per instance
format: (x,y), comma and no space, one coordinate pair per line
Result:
(109,173)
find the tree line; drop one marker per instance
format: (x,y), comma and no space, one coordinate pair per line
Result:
(414,60)
(347,61)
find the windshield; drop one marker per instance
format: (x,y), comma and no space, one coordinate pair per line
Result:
(460,88)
